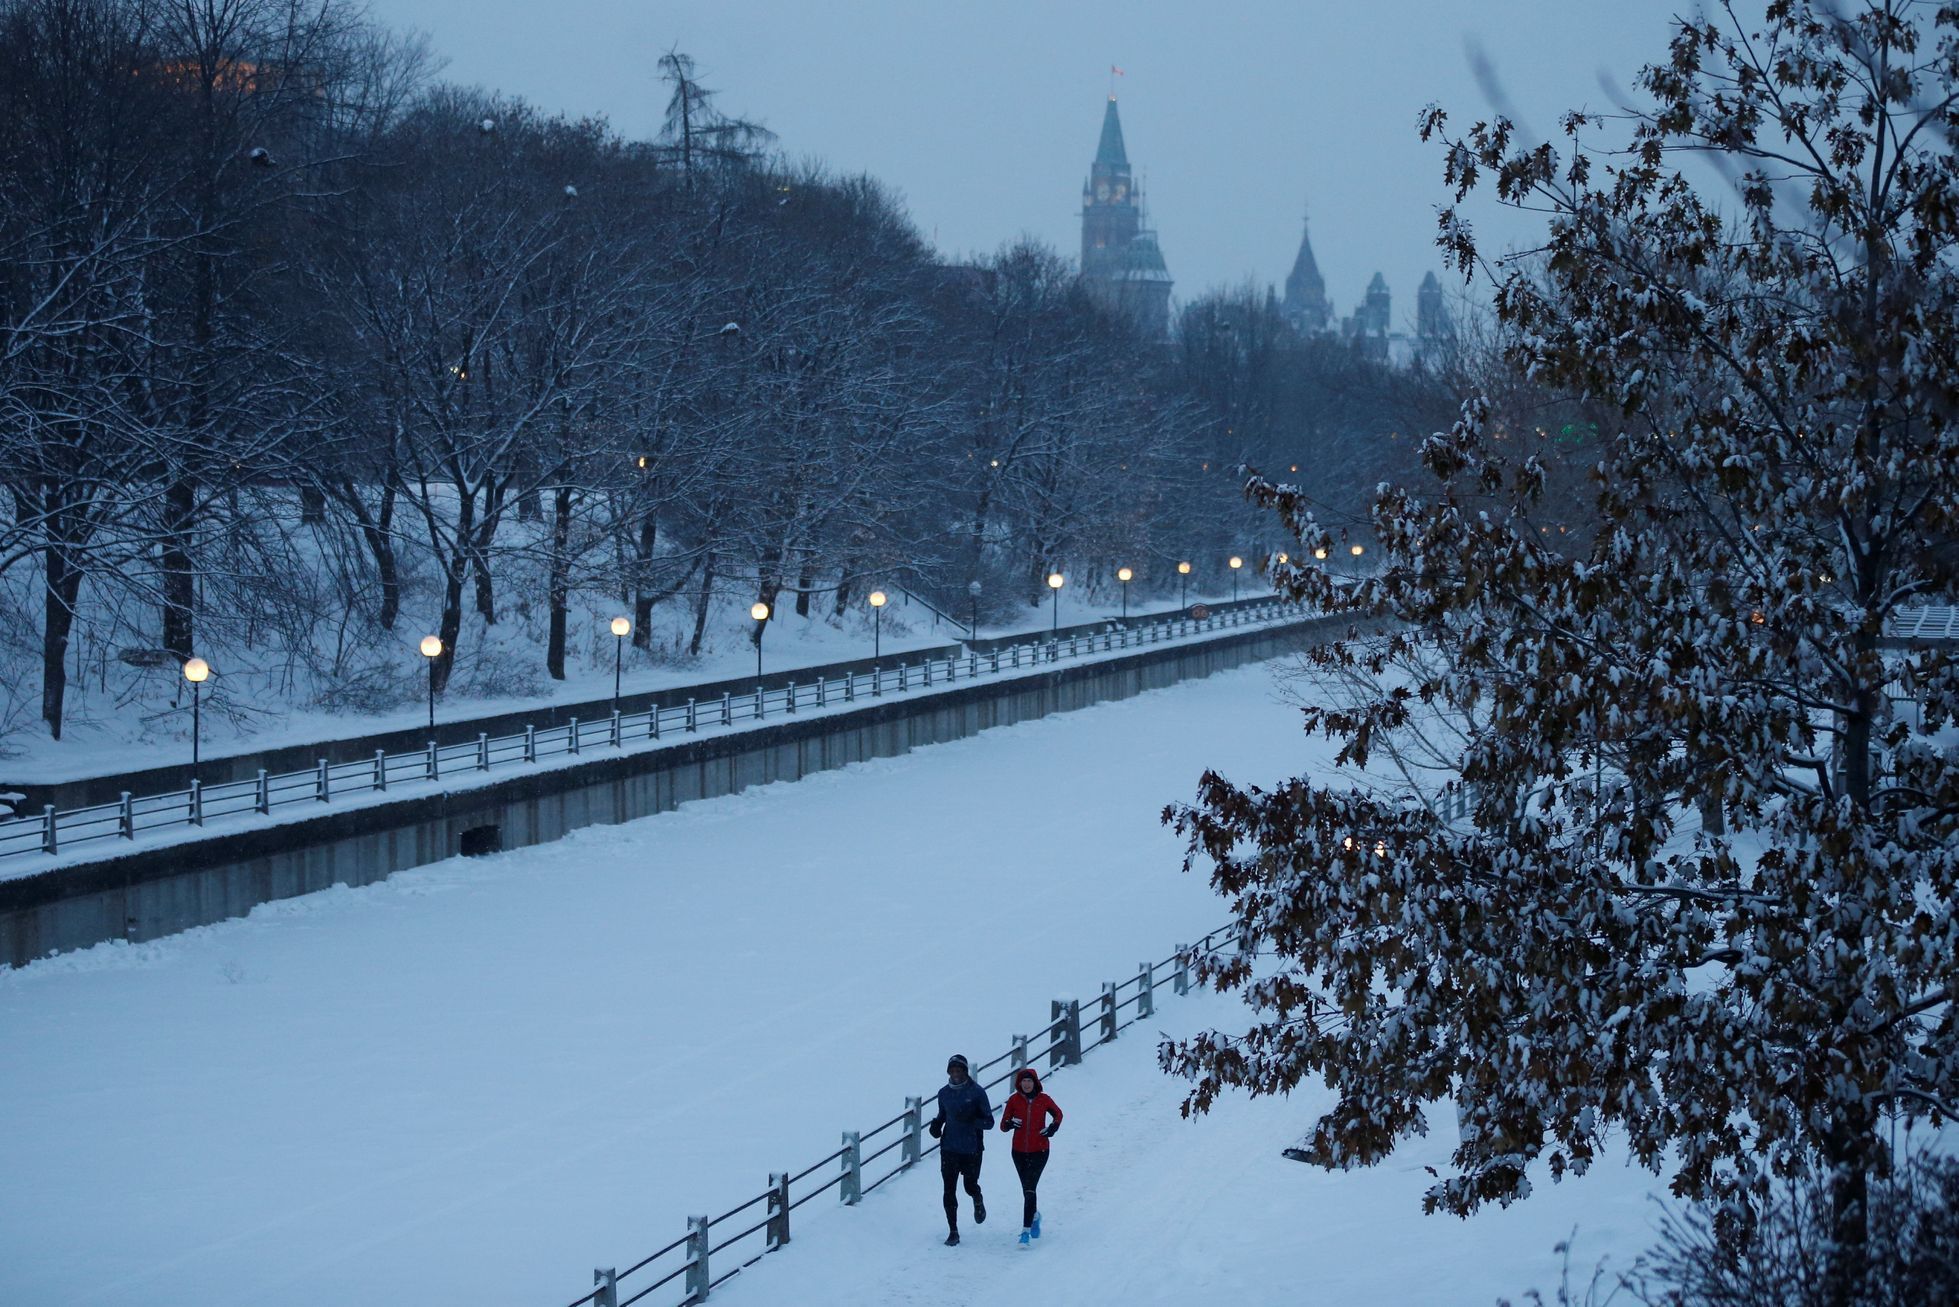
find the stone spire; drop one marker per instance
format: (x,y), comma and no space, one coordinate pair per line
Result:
(1305,303)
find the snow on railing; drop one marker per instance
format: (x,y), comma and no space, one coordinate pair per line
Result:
(49,832)
(692,1257)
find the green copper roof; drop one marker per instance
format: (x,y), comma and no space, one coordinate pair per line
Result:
(1110,150)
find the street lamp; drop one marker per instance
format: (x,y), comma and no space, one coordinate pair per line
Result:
(1055,582)
(431,650)
(1236,563)
(1124,575)
(973,592)
(1320,553)
(621,628)
(760,612)
(1183,585)
(196,671)
(878,600)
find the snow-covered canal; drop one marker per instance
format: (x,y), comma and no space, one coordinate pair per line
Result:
(475,1082)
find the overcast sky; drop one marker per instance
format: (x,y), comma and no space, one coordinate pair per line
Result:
(984,115)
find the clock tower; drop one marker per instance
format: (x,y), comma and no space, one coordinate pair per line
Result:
(1121,262)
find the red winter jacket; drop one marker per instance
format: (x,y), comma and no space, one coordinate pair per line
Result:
(1032,1112)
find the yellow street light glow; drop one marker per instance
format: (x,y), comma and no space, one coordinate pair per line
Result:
(878,598)
(431,646)
(1056,580)
(1123,574)
(620,626)
(1237,561)
(1320,553)
(1357,551)
(1183,569)
(760,612)
(1284,559)
(197,671)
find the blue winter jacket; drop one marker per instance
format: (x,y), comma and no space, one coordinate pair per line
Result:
(967,1116)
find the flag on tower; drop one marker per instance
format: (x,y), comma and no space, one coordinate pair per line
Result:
(1115,71)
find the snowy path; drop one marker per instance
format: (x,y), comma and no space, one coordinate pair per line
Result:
(1141,1207)
(476,1081)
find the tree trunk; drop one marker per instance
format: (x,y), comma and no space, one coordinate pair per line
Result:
(559,585)
(803,583)
(701,605)
(62,583)
(648,537)
(179,580)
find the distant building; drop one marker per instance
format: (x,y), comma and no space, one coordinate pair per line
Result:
(1370,329)
(1122,265)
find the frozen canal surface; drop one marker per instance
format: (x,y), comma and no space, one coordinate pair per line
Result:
(475,1082)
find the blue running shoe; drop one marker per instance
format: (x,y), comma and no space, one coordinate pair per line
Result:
(1023,1238)
(1035,1229)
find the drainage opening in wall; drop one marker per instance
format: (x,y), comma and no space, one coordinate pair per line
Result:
(479,840)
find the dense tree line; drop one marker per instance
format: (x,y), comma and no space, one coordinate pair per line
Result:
(287,323)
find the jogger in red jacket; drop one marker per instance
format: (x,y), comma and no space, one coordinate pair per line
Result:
(1027,1114)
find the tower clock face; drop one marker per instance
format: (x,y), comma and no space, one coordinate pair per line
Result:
(1121,190)
(1102,191)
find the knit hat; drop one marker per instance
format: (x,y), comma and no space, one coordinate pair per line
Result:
(956,1060)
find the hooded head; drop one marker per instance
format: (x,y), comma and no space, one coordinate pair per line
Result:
(1027,1073)
(955,1066)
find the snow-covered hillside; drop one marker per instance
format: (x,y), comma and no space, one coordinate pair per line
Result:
(477,1081)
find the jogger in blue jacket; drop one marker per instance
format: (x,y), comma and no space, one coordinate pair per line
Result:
(960,1127)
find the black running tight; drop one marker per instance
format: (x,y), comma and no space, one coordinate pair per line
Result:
(1029,1165)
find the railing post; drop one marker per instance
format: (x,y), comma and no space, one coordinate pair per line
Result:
(380,770)
(1181,985)
(126,816)
(482,751)
(1067,1047)
(1146,996)
(607,1279)
(321,781)
(1019,1058)
(928,669)
(972,664)
(850,687)
(904,677)
(618,740)
(727,707)
(914,1147)
(693,722)
(1014,652)
(571,735)
(851,1191)
(434,764)
(50,837)
(820,683)
(790,704)
(877,682)
(1108,1011)
(996,661)
(530,744)
(653,720)
(697,1272)
(778,1232)
(262,789)
(759,702)
(196,814)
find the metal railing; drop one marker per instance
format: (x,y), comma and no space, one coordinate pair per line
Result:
(698,1257)
(49,832)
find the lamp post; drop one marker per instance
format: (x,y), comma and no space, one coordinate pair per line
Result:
(1183,585)
(621,628)
(196,671)
(760,612)
(1236,563)
(973,593)
(878,600)
(431,650)
(1357,551)
(1055,582)
(1124,575)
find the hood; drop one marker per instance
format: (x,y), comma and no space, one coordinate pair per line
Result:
(1026,1071)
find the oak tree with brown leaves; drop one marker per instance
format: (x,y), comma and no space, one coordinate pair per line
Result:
(1702,900)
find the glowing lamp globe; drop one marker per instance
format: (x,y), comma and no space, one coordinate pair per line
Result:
(1056,580)
(620,626)
(431,646)
(1123,574)
(760,612)
(197,671)
(879,599)
(1237,562)
(1183,569)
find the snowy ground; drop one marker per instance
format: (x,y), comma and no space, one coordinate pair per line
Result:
(482,1078)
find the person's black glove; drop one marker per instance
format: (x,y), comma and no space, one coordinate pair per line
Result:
(1013,1123)
(1049,1132)
(937,1127)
